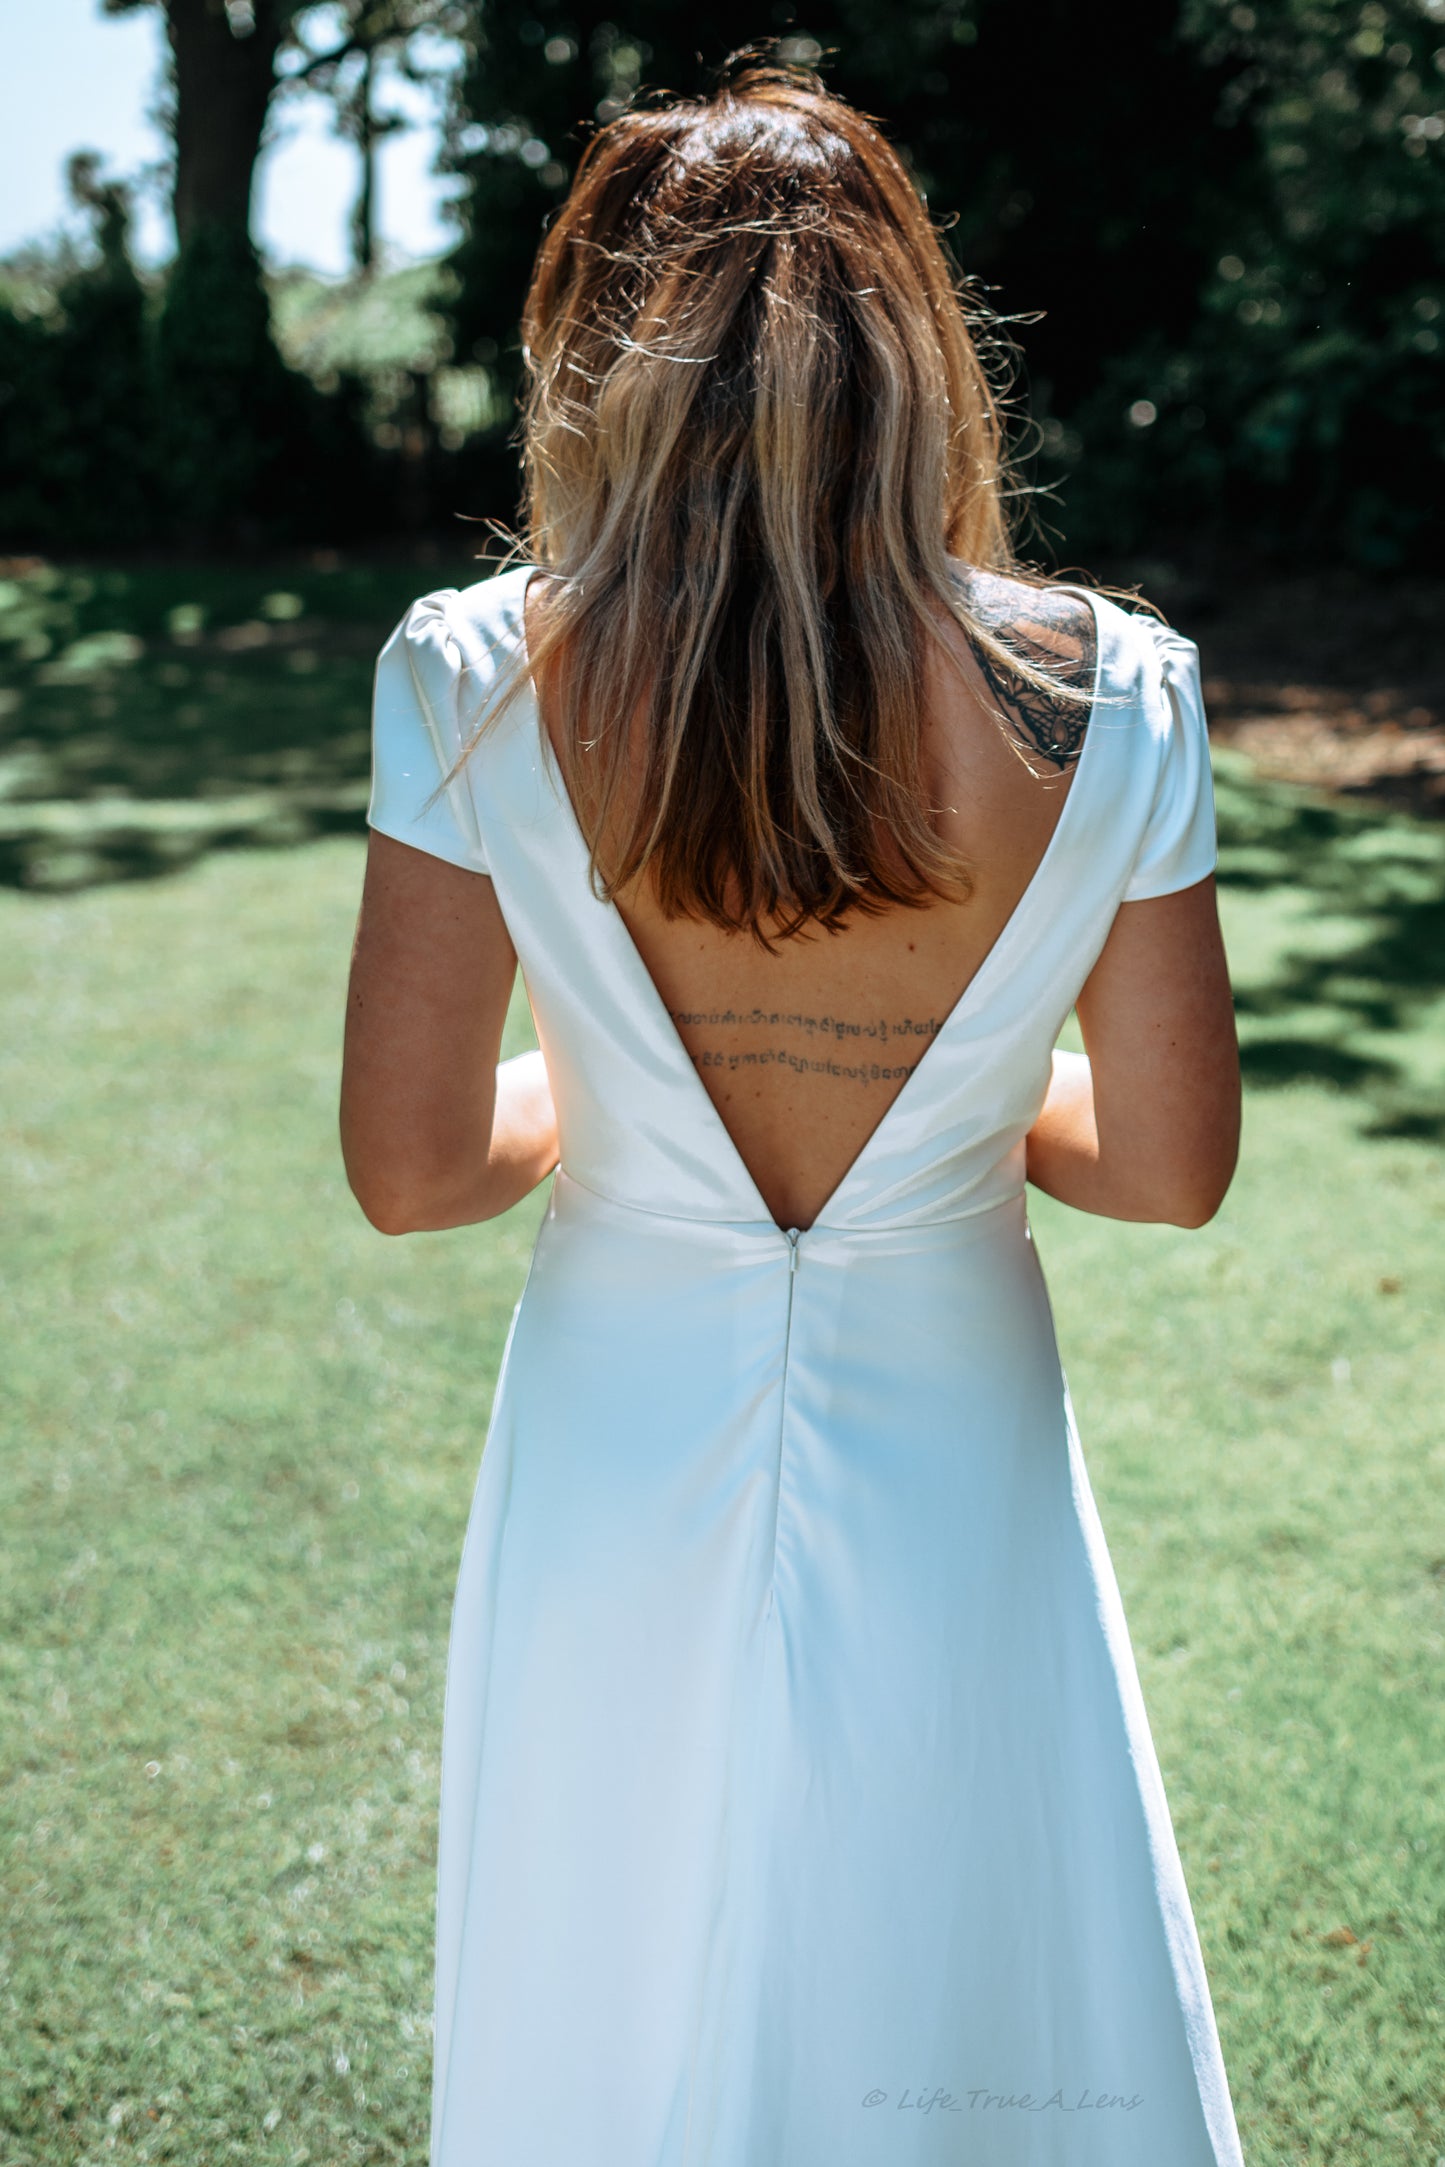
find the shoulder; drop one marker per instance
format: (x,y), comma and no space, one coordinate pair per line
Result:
(1136,644)
(1070,628)
(444,671)
(1146,722)
(454,648)
(1039,659)
(466,625)
(1052,620)
(490,610)
(1150,670)
(1146,671)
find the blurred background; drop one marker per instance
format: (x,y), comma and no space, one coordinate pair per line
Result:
(260,272)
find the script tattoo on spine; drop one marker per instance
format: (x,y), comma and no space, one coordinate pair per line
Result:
(825,1039)
(1045,721)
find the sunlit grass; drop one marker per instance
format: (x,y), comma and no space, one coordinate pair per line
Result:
(243,1430)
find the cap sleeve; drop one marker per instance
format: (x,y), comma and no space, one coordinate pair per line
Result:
(417,732)
(1179,845)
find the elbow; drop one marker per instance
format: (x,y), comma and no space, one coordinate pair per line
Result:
(385,1210)
(380,1198)
(1195,1213)
(389,1205)
(1188,1184)
(397,1195)
(1198,1201)
(386,1222)
(393,1208)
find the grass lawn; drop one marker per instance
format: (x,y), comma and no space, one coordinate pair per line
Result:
(242,1430)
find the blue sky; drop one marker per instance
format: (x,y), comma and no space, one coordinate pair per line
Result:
(74,79)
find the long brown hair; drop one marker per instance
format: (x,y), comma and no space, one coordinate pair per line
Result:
(757,427)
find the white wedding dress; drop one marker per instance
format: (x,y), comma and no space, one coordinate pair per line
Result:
(799,1806)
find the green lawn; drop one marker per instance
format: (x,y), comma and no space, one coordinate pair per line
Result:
(243,1430)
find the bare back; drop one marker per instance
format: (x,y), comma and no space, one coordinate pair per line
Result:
(803,1049)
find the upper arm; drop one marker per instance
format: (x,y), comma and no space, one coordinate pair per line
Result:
(1157,1013)
(433,965)
(432,972)
(1157,1018)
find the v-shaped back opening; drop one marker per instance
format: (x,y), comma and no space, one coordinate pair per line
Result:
(963,1005)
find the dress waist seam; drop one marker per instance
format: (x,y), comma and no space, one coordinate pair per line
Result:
(819,1229)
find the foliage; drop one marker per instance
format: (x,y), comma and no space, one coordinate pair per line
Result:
(397,33)
(229,58)
(1302,405)
(388,323)
(220,376)
(387,335)
(123,422)
(248,444)
(1231,220)
(77,417)
(130,416)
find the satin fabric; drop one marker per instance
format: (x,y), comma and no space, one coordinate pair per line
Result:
(799,1806)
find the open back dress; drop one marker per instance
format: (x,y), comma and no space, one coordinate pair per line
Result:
(798,1805)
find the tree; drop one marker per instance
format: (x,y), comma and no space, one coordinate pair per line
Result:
(222,76)
(1319,349)
(245,438)
(377,34)
(228,60)
(229,406)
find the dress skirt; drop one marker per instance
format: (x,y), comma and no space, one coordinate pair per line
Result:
(799,1804)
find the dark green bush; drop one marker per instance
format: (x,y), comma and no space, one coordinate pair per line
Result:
(127,417)
(77,406)
(1232,218)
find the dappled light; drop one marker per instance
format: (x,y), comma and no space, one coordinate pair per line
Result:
(138,731)
(1352,993)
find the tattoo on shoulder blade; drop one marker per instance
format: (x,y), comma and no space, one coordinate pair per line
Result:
(1052,632)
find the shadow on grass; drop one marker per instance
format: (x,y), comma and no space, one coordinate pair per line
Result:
(149,715)
(1349,1003)
(61,857)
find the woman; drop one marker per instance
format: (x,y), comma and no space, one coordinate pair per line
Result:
(799,1807)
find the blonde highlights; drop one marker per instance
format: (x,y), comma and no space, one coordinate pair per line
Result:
(757,428)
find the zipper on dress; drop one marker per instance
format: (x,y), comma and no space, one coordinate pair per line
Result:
(792,1236)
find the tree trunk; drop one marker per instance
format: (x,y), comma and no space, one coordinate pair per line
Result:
(363,220)
(223,87)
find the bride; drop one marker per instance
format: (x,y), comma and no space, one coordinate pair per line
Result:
(799,1806)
